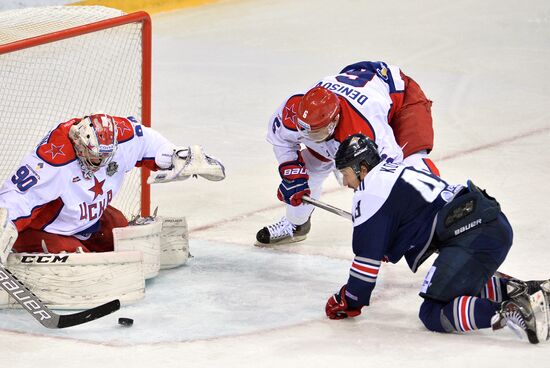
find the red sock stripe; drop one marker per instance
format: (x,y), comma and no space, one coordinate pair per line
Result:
(464,312)
(490,288)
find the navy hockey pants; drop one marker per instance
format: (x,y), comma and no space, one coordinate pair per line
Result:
(463,267)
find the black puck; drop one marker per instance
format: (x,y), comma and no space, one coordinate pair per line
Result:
(125,321)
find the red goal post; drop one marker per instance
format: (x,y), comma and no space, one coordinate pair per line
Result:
(57,63)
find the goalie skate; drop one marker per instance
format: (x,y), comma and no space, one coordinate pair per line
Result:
(526,315)
(282,232)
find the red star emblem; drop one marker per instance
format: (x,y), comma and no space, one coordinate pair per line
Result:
(56,150)
(97,188)
(290,113)
(123,129)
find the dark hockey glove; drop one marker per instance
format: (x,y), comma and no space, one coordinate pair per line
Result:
(294,183)
(337,306)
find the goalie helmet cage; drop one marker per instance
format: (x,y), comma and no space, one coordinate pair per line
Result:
(61,62)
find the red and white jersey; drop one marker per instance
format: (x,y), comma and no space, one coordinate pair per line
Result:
(370,93)
(48,191)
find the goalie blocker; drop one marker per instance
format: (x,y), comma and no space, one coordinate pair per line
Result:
(83,280)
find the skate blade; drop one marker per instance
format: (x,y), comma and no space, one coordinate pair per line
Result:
(520,333)
(289,240)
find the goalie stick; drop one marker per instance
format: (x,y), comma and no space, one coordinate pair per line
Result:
(32,304)
(327,207)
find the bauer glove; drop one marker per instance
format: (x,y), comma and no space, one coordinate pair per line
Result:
(294,183)
(337,306)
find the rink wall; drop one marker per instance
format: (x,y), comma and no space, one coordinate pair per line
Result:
(150,6)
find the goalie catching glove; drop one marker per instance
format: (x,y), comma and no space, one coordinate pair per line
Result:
(186,162)
(337,306)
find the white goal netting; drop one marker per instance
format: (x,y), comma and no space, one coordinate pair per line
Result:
(46,84)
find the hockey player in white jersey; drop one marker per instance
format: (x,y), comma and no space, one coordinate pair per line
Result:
(400,212)
(372,98)
(59,196)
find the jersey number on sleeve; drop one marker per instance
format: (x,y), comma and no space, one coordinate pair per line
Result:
(23,180)
(356,78)
(426,185)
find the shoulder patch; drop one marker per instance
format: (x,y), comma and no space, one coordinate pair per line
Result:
(290,112)
(56,149)
(125,129)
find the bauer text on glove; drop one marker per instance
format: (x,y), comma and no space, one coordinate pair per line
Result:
(294,184)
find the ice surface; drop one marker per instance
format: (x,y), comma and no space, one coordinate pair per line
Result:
(219,72)
(224,290)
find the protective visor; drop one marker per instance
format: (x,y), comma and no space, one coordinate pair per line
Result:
(317,135)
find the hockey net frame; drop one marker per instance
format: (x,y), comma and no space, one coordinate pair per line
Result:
(139,17)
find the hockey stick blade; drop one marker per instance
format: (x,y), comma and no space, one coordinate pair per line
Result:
(327,207)
(68,320)
(36,308)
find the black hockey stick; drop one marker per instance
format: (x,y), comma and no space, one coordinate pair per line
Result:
(327,207)
(32,304)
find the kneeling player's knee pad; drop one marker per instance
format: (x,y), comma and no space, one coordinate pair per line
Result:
(431,314)
(455,272)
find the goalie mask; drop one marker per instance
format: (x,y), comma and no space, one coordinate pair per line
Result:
(94,140)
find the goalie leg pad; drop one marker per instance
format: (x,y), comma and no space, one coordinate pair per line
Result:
(144,238)
(174,242)
(8,235)
(78,280)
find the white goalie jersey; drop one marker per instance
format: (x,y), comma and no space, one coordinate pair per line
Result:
(48,190)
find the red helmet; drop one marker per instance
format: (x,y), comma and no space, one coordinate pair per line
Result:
(319,108)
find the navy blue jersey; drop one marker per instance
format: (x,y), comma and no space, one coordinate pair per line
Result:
(394,215)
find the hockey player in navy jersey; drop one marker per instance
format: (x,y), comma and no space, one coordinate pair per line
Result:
(400,211)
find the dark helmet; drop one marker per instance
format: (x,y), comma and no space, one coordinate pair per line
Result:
(357,150)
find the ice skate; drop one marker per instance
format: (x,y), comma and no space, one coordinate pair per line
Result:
(282,232)
(516,287)
(526,314)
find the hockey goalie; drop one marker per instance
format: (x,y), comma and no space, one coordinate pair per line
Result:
(59,232)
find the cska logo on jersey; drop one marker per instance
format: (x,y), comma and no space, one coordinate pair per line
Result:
(95,210)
